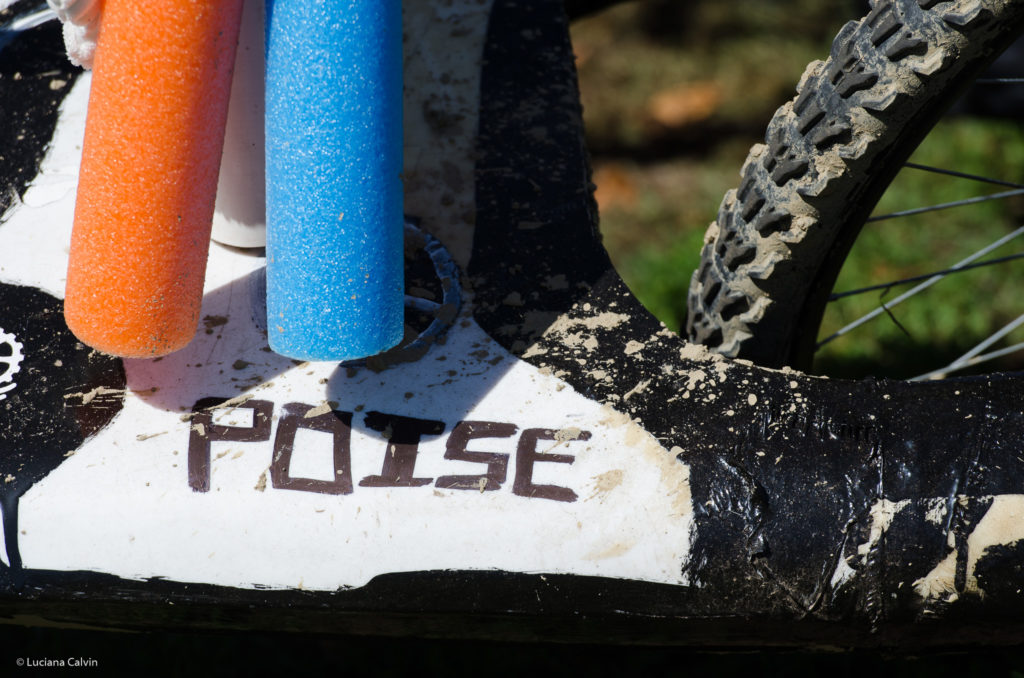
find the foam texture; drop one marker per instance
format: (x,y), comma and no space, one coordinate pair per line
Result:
(150,160)
(334,193)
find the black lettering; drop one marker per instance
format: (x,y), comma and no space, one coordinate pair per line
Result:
(403,435)
(497,464)
(338,424)
(527,455)
(204,432)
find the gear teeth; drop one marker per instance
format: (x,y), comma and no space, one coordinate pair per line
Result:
(11,363)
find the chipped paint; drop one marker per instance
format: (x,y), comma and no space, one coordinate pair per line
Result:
(882,513)
(936,513)
(940,582)
(1003,524)
(842,574)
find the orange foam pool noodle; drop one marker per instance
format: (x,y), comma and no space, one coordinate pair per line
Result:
(148,180)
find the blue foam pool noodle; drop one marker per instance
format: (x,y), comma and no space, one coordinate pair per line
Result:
(335,288)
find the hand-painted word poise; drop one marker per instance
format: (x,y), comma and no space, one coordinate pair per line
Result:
(402,435)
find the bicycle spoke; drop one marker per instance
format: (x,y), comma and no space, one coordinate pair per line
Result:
(964,360)
(945,371)
(947,205)
(975,355)
(962,175)
(919,288)
(836,296)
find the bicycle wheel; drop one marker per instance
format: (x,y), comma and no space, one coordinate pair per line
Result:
(770,260)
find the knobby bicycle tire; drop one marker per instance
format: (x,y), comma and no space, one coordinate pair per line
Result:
(772,256)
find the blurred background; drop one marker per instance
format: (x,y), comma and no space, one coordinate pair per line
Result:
(676,91)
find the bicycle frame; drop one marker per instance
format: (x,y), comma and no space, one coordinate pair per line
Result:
(558,466)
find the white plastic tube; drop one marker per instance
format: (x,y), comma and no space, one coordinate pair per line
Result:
(239,218)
